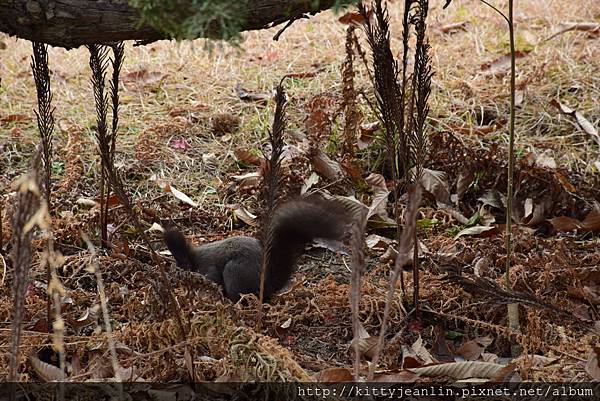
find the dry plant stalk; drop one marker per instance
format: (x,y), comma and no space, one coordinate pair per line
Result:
(270,185)
(349,98)
(390,95)
(99,65)
(94,267)
(27,207)
(421,89)
(357,243)
(402,258)
(98,55)
(45,112)
(45,121)
(402,105)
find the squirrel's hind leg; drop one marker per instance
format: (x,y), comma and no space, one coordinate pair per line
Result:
(240,277)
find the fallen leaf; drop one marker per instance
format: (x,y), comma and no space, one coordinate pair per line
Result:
(377,242)
(249,180)
(441,347)
(165,186)
(11,118)
(465,178)
(302,75)
(592,367)
(472,350)
(583,122)
(519,97)
(380,196)
(46,371)
(545,159)
(591,223)
(367,134)
(210,161)
(248,157)
(308,183)
(436,183)
(143,77)
(476,230)
(401,376)
(366,343)
(501,65)
(241,213)
(325,166)
(591,27)
(564,181)
(476,129)
(419,349)
(461,370)
(334,375)
(454,27)
(246,96)
(493,198)
(355,18)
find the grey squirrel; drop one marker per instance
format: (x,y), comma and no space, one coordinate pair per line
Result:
(234,263)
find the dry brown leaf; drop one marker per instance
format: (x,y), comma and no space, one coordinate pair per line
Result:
(256,97)
(180,195)
(436,183)
(143,77)
(366,344)
(591,27)
(501,65)
(377,242)
(477,230)
(249,180)
(583,122)
(355,18)
(441,348)
(519,97)
(591,223)
(367,134)
(421,352)
(564,181)
(475,129)
(454,27)
(401,376)
(11,118)
(46,371)
(472,350)
(380,196)
(545,159)
(327,167)
(461,370)
(592,367)
(248,157)
(241,213)
(334,375)
(505,374)
(308,183)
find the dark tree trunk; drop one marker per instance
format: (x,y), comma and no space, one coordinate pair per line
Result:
(72,23)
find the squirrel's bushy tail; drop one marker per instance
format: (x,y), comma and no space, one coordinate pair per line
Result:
(179,248)
(296,224)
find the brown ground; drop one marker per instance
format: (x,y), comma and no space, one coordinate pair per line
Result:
(181,119)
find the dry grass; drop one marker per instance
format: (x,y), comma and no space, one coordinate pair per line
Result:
(187,86)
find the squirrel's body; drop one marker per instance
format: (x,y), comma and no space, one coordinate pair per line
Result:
(234,263)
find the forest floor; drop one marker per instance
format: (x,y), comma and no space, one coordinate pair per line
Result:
(193,118)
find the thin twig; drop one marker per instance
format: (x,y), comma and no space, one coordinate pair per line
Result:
(404,246)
